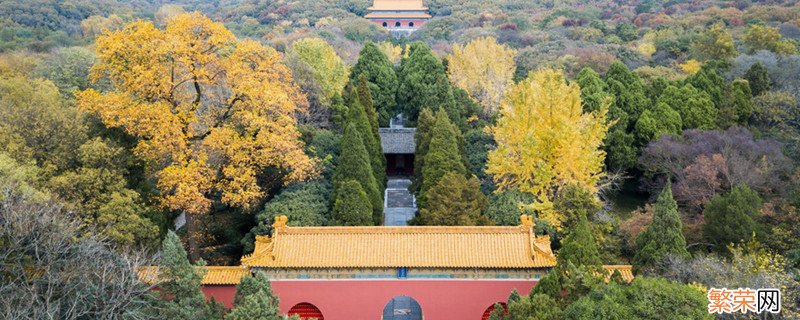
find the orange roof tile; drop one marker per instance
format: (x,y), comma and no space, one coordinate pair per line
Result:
(213,276)
(396,5)
(626,271)
(425,247)
(383,15)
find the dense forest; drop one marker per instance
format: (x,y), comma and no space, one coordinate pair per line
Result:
(662,134)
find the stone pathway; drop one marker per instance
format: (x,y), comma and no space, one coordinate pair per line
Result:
(399,204)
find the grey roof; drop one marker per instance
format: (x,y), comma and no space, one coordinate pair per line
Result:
(397,140)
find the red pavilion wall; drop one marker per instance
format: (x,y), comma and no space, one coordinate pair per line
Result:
(354,299)
(403,22)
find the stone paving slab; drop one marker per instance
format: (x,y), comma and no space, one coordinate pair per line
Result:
(400,205)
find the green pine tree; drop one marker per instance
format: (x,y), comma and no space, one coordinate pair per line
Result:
(629,101)
(737,104)
(352,206)
(627,89)
(656,121)
(423,83)
(757,77)
(579,247)
(444,155)
(251,285)
(695,107)
(356,114)
(181,283)
(382,79)
(258,306)
(498,313)
(514,296)
(732,217)
(593,89)
(422,139)
(455,201)
(353,165)
(664,235)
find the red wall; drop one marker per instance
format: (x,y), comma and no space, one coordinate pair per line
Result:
(403,23)
(354,299)
(222,294)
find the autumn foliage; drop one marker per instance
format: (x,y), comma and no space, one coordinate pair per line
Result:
(209,113)
(545,141)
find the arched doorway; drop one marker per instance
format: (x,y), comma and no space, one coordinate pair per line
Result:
(411,24)
(397,24)
(385,24)
(489,310)
(402,308)
(306,311)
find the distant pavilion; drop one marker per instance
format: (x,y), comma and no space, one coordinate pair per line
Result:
(399,16)
(353,273)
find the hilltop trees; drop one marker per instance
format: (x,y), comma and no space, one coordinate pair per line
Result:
(382,80)
(760,37)
(484,69)
(211,127)
(544,141)
(714,44)
(757,77)
(694,106)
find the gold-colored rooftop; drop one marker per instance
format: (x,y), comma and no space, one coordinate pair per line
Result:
(213,276)
(388,247)
(397,5)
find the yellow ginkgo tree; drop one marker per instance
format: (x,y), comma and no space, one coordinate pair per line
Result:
(545,141)
(484,69)
(210,113)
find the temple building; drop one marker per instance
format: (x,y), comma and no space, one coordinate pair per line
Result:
(391,273)
(399,16)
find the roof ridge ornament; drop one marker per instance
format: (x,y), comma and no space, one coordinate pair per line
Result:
(526,221)
(280,221)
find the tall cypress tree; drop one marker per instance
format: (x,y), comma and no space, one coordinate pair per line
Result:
(593,89)
(351,206)
(455,201)
(629,101)
(252,284)
(423,83)
(443,156)
(579,247)
(374,64)
(422,139)
(757,77)
(254,299)
(353,161)
(664,236)
(181,282)
(357,115)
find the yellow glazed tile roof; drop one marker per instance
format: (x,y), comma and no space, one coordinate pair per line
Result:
(626,271)
(375,247)
(382,15)
(397,5)
(213,276)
